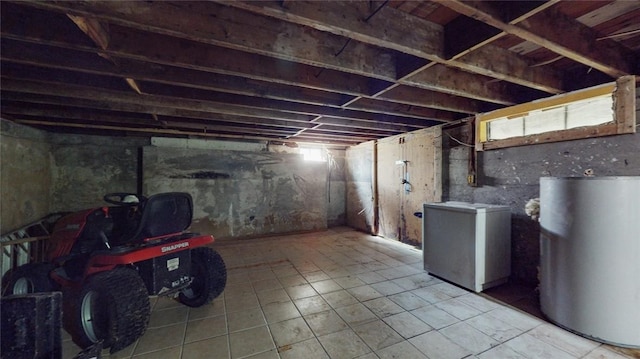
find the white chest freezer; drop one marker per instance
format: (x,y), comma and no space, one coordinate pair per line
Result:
(468,244)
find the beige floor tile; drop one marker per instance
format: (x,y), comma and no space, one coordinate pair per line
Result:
(364,293)
(371,277)
(409,301)
(261,274)
(284,271)
(435,317)
(250,342)
(531,347)
(266,284)
(291,281)
(338,299)
(387,288)
(171,353)
(208,310)
(436,346)
(240,303)
(402,350)
(316,276)
(246,319)
(603,353)
(308,349)
(277,312)
(468,337)
(383,307)
(458,309)
(407,325)
(431,294)
(161,338)
(243,288)
(502,352)
(326,286)
(416,281)
(326,322)
(478,302)
(516,318)
(569,342)
(165,303)
(301,291)
(290,331)
(495,328)
(217,347)
(205,328)
(278,295)
(270,354)
(450,289)
(377,335)
(356,314)
(349,281)
(311,305)
(343,345)
(161,318)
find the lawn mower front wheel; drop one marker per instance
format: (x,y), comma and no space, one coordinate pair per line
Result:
(209,275)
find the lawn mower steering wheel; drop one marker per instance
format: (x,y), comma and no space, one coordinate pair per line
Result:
(118,198)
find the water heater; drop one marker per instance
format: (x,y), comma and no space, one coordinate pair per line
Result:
(590,256)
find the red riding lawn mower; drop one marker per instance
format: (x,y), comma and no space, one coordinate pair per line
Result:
(108,260)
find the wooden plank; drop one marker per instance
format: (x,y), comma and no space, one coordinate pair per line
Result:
(141,46)
(377,106)
(340,20)
(461,83)
(64,104)
(57,58)
(498,63)
(88,93)
(387,28)
(558,33)
(229,27)
(422,151)
(624,98)
(432,99)
(572,134)
(401,114)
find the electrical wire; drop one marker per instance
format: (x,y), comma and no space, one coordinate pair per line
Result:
(460,142)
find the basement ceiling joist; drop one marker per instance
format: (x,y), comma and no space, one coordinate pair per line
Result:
(337,72)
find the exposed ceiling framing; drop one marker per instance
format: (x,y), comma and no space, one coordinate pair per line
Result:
(338,72)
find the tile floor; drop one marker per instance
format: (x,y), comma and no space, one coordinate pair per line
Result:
(345,294)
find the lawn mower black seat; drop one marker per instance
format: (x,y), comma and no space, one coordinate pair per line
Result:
(162,214)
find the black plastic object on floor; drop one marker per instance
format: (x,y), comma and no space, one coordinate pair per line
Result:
(31,326)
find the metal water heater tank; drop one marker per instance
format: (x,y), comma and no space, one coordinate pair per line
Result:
(590,256)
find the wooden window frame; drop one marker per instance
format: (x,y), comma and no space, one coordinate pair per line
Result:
(624,101)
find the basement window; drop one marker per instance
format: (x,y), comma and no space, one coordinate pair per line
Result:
(313,154)
(603,110)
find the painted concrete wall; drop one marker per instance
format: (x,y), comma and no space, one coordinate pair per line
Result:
(241,193)
(359,186)
(336,188)
(511,177)
(85,168)
(24,176)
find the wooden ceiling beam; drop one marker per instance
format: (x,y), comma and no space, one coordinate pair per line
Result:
(88,93)
(228,27)
(164,121)
(558,33)
(235,61)
(399,113)
(464,34)
(432,99)
(66,59)
(394,29)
